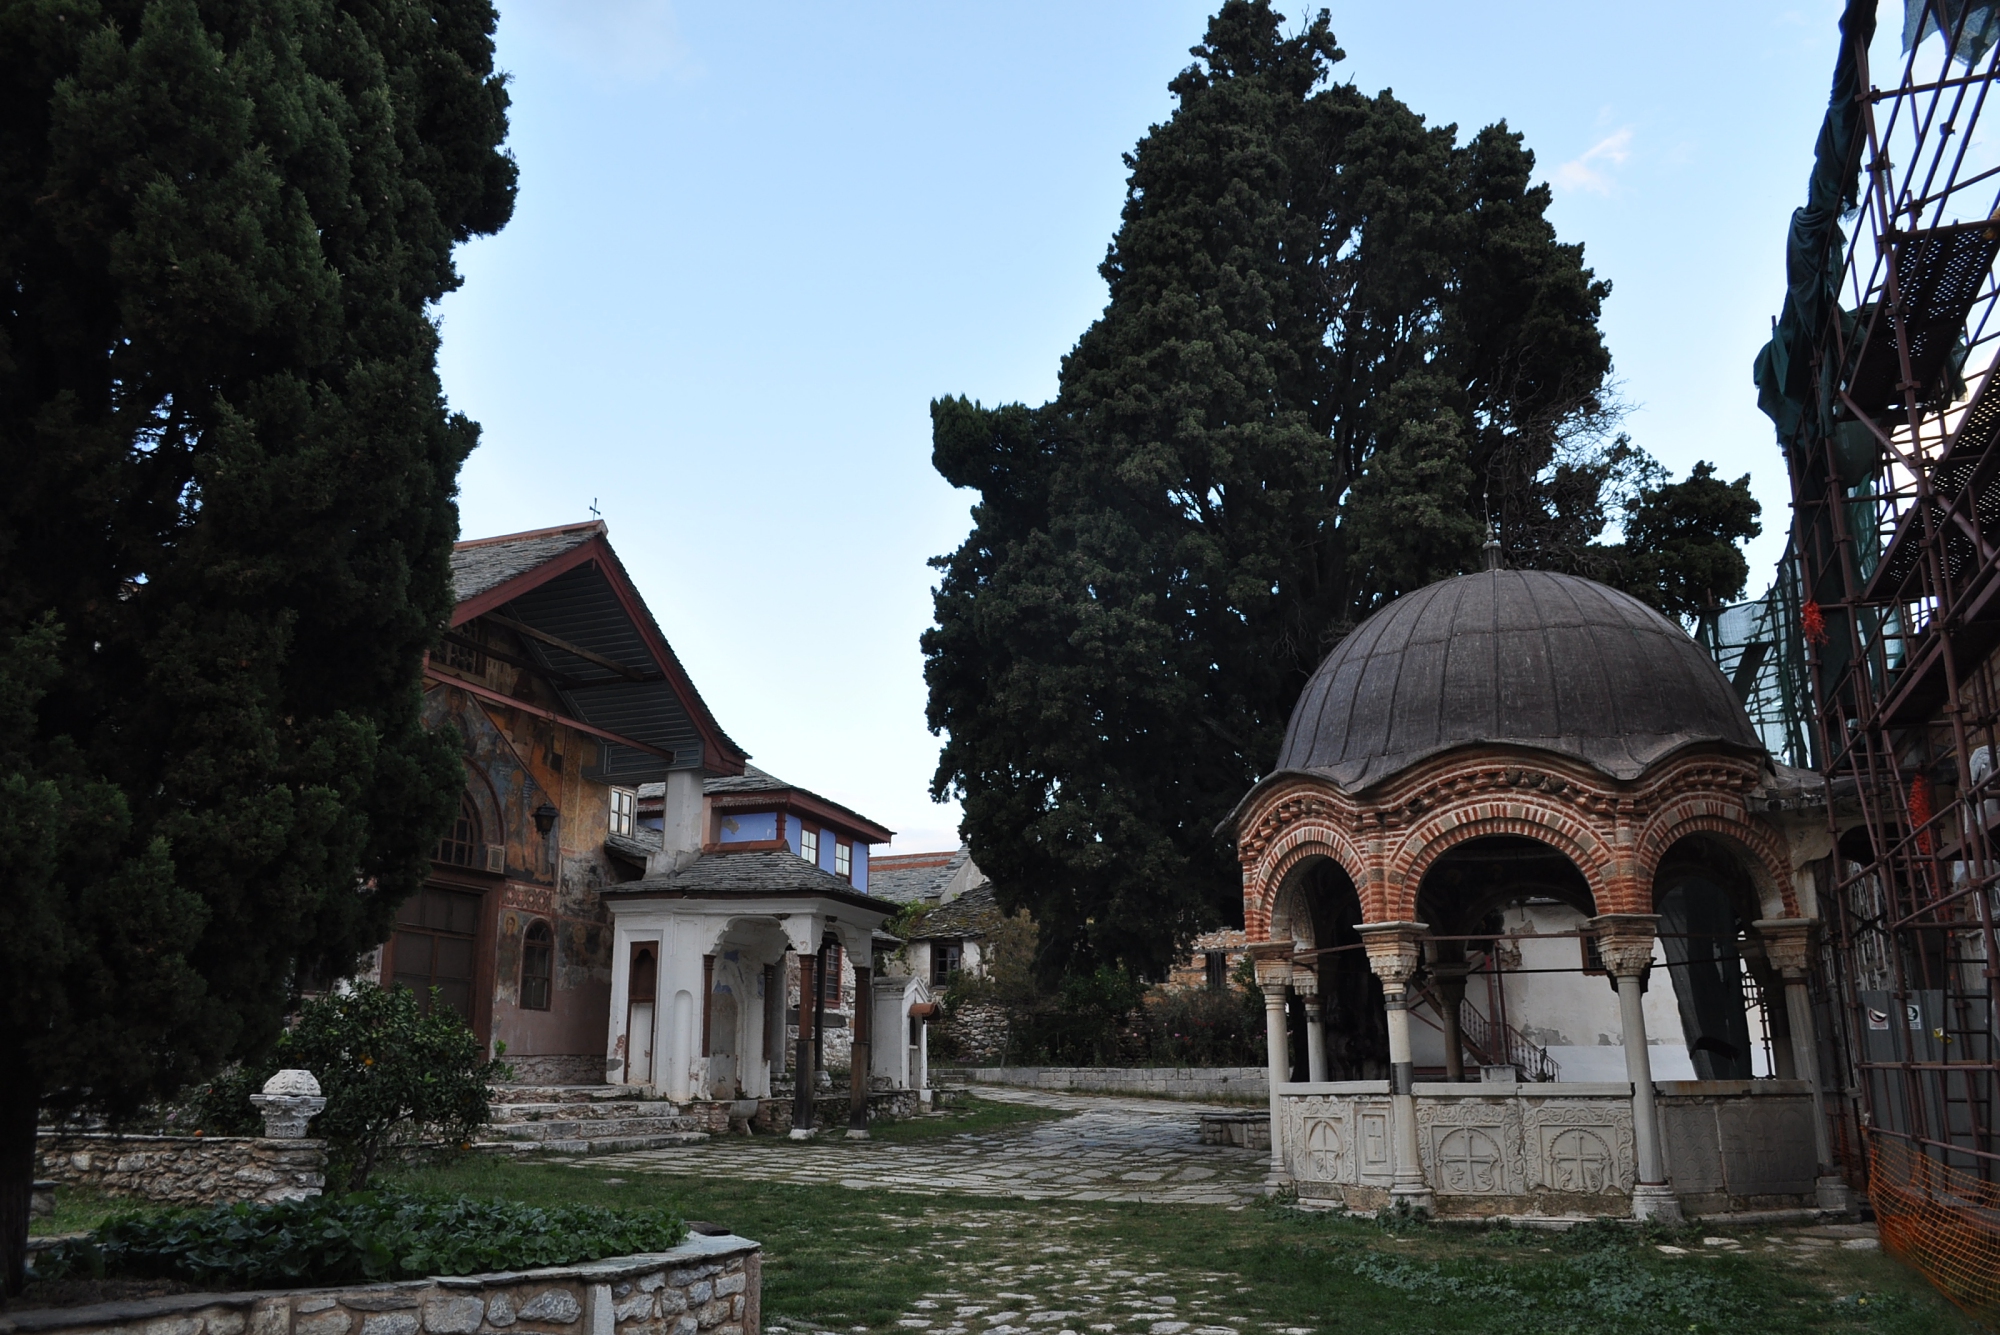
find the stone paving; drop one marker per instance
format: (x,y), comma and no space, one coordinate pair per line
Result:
(1112,1149)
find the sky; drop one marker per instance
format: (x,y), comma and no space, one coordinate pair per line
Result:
(753,243)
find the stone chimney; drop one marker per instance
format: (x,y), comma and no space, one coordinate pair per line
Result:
(680,825)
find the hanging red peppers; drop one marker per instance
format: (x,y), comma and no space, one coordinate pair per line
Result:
(1920,812)
(1813,622)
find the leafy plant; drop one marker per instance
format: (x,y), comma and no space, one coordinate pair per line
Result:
(363,1236)
(390,1074)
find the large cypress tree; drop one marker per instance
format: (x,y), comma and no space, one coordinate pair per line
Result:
(225,532)
(1337,341)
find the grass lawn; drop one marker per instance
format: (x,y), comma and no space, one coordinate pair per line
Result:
(80,1209)
(877,1261)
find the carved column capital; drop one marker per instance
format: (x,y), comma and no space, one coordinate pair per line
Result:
(1787,945)
(1395,949)
(1625,941)
(1305,982)
(1272,961)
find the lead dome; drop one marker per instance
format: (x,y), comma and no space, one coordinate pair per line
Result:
(1511,658)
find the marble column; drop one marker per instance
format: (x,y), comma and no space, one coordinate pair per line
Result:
(1788,946)
(1272,961)
(1625,943)
(1394,951)
(1305,982)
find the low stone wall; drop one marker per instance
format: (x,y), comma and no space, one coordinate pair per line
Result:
(1235,1083)
(774,1115)
(184,1170)
(558,1068)
(707,1284)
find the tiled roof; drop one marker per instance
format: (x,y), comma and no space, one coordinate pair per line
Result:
(768,872)
(974,913)
(485,563)
(907,877)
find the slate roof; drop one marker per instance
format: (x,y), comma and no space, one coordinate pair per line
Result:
(769,872)
(485,563)
(1512,657)
(633,849)
(908,877)
(974,913)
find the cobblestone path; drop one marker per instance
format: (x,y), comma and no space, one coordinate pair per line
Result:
(1112,1149)
(994,1279)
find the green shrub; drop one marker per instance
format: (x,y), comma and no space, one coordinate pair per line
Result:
(362,1237)
(390,1073)
(1197,1027)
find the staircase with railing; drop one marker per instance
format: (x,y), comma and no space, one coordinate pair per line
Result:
(1491,1044)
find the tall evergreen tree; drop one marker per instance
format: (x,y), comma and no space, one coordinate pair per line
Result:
(1337,340)
(225,536)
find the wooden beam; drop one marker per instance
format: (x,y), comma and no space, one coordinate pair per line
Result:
(509,702)
(576,650)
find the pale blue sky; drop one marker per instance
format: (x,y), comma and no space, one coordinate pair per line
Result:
(753,242)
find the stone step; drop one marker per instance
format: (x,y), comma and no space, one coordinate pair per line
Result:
(594,1144)
(609,1108)
(589,1128)
(562,1093)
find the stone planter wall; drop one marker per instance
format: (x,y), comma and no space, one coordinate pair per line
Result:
(1233,1083)
(707,1284)
(184,1170)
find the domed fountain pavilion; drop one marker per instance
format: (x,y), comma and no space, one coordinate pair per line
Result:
(1519,819)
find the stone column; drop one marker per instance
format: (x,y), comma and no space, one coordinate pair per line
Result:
(1394,951)
(1625,943)
(1788,946)
(858,1060)
(1273,963)
(1305,982)
(804,1073)
(1451,994)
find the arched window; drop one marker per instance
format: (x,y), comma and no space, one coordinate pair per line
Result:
(461,845)
(538,950)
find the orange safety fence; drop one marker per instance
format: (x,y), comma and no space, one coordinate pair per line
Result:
(1943,1221)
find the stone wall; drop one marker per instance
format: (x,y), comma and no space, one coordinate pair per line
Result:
(557,1068)
(184,1170)
(1235,1083)
(973,1033)
(707,1284)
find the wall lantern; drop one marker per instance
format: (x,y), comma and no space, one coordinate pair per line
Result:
(545,818)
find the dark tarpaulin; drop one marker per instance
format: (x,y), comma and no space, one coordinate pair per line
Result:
(1814,247)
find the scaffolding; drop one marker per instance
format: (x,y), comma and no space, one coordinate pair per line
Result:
(1881,377)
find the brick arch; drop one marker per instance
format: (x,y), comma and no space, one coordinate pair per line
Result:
(1763,853)
(1442,830)
(1297,845)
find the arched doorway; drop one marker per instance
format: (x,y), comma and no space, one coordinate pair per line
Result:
(1507,917)
(1319,908)
(1705,900)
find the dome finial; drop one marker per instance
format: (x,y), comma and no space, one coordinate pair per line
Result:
(1494,561)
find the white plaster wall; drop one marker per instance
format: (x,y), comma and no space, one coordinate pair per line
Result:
(1572,1014)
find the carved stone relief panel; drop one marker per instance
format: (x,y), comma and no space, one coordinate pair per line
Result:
(1319,1142)
(1471,1147)
(1372,1141)
(1582,1146)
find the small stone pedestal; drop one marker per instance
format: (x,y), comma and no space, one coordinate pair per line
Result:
(290,1100)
